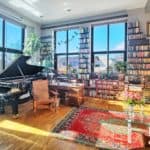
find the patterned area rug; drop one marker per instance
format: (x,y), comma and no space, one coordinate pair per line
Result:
(99,128)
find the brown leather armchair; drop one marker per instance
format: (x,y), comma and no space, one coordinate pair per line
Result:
(41,98)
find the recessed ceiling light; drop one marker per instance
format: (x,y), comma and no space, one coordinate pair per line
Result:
(68,10)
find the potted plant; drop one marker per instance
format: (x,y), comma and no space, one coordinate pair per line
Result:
(32,44)
(120,66)
(32,48)
(134,98)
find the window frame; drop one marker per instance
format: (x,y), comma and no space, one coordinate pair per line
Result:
(5,50)
(67,48)
(108,51)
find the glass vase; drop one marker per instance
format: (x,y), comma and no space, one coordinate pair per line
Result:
(131,112)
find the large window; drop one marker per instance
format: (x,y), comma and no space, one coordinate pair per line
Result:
(108,46)
(67,51)
(1,34)
(1,62)
(13,36)
(11,42)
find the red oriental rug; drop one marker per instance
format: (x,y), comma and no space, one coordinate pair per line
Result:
(99,128)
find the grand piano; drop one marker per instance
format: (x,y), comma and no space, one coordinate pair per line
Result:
(16,83)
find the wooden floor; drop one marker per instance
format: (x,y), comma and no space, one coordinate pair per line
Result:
(32,130)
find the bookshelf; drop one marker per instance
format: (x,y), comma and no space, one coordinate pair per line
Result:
(138,51)
(84,56)
(109,89)
(46,51)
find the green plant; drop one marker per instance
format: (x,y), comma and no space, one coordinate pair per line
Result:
(120,66)
(32,44)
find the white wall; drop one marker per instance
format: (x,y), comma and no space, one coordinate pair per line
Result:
(10,14)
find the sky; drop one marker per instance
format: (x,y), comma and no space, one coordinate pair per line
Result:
(13,36)
(0,32)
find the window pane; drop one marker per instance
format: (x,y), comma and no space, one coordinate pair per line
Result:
(1,62)
(61,41)
(1,29)
(117,36)
(73,40)
(113,59)
(73,63)
(10,58)
(62,64)
(13,36)
(100,63)
(100,38)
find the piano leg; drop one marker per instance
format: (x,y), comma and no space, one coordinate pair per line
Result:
(14,105)
(2,110)
(2,105)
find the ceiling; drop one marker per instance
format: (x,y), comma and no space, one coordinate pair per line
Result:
(55,11)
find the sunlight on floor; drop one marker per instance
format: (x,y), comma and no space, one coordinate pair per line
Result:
(7,124)
(14,126)
(18,138)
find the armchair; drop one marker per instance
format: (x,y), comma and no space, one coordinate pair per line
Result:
(41,98)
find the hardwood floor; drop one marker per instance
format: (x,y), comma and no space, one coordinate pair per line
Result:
(32,130)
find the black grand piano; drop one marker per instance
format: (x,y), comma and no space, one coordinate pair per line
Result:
(16,83)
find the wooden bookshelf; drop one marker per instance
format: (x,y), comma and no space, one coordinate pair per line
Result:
(138,51)
(84,56)
(108,89)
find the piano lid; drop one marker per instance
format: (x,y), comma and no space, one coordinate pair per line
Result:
(20,68)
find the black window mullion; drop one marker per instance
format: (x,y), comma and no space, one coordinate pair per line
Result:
(23,37)
(92,50)
(125,52)
(107,48)
(3,44)
(67,47)
(55,55)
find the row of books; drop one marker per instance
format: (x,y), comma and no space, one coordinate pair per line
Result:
(139,54)
(139,66)
(135,36)
(138,60)
(139,48)
(134,31)
(84,65)
(139,72)
(83,76)
(84,40)
(84,30)
(133,24)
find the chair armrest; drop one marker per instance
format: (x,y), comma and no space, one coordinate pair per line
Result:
(53,92)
